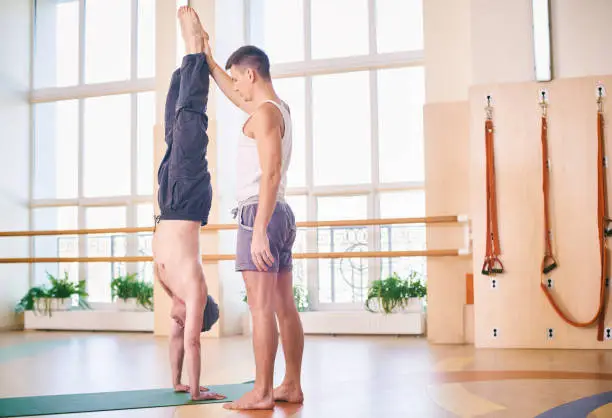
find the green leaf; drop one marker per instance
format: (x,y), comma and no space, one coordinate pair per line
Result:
(394,292)
(129,286)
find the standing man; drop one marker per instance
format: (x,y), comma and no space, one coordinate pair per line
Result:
(184,198)
(266,223)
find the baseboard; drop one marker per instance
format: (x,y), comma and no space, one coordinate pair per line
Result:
(356,323)
(90,320)
(363,323)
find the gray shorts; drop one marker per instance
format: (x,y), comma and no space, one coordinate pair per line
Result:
(281,233)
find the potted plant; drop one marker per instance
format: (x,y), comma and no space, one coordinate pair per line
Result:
(29,302)
(417,293)
(300,296)
(132,294)
(386,295)
(63,289)
(57,295)
(394,294)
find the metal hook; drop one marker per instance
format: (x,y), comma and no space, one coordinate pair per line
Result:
(543,102)
(489,108)
(600,96)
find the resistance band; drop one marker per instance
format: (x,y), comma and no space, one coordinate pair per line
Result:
(492,264)
(549,263)
(602,222)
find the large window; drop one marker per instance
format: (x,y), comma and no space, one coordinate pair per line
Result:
(352,72)
(93,112)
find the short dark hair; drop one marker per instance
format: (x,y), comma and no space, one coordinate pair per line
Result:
(252,57)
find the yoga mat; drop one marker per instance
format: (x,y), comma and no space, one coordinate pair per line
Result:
(111,401)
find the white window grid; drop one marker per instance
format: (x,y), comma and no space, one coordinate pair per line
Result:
(308,68)
(80,92)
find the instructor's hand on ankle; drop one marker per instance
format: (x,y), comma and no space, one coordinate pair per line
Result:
(260,250)
(207,51)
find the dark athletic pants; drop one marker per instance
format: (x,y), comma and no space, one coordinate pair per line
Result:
(185,192)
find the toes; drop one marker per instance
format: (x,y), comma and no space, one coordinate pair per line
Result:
(232,406)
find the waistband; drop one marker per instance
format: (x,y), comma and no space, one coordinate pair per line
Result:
(253,200)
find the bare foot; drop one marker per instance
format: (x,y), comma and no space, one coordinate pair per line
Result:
(288,392)
(206,396)
(252,400)
(191,29)
(186,388)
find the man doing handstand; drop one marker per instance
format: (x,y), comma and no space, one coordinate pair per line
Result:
(184,198)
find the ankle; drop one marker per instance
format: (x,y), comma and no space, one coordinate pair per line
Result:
(262,391)
(194,50)
(292,383)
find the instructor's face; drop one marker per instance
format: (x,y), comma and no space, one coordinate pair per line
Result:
(243,82)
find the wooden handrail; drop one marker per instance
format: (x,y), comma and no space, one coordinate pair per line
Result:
(223,257)
(218,227)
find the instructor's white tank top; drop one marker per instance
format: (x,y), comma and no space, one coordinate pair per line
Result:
(248,170)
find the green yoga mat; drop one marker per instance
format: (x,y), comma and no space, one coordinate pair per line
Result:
(111,401)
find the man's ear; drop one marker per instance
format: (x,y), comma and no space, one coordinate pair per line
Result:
(250,73)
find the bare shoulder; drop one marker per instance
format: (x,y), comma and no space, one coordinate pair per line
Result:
(267,118)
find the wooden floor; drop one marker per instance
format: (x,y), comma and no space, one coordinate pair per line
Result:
(350,376)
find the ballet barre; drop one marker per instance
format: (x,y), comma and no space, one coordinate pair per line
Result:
(212,258)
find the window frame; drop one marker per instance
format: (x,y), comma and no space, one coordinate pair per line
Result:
(308,68)
(80,92)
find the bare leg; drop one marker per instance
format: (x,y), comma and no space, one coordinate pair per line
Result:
(191,29)
(292,338)
(260,295)
(176,242)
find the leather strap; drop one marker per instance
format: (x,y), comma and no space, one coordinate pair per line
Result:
(549,262)
(604,220)
(492,264)
(603,232)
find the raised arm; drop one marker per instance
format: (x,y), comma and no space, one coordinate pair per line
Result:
(224,81)
(177,353)
(193,324)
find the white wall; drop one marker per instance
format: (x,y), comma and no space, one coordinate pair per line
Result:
(502,39)
(446,25)
(581,35)
(15,18)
